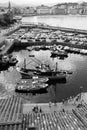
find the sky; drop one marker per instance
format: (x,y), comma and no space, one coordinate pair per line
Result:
(39,2)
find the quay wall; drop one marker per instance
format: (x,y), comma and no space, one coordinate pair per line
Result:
(12,31)
(20,44)
(8,48)
(55,28)
(10,45)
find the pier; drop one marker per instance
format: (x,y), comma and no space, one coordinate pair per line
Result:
(7,45)
(44,26)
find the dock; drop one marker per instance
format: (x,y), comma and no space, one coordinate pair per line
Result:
(43,26)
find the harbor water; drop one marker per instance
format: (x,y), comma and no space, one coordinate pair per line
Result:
(58,91)
(74,62)
(68,21)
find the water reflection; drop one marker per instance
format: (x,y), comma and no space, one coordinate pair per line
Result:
(60,93)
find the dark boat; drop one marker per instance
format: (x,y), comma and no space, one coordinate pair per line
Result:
(59,53)
(61,77)
(52,75)
(44,47)
(43,70)
(26,73)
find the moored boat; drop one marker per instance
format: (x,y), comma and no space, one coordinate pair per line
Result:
(57,77)
(44,47)
(59,53)
(52,75)
(31,87)
(43,70)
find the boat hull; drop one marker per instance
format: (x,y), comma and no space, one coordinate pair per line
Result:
(59,79)
(25,75)
(53,54)
(33,90)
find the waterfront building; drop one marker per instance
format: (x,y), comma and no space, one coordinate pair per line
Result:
(28,11)
(73,10)
(85,11)
(58,11)
(43,10)
(16,11)
(84,8)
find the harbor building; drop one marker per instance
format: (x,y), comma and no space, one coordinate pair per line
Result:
(28,11)
(73,10)
(43,10)
(58,11)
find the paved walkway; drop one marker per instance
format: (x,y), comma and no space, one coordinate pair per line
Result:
(47,107)
(50,107)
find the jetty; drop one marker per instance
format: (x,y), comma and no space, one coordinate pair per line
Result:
(6,44)
(45,26)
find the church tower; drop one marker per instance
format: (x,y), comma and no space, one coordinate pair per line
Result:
(9,6)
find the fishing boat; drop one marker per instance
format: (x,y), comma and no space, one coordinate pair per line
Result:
(57,77)
(26,73)
(43,70)
(52,75)
(59,53)
(31,87)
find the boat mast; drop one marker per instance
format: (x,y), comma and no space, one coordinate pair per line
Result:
(24,63)
(56,67)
